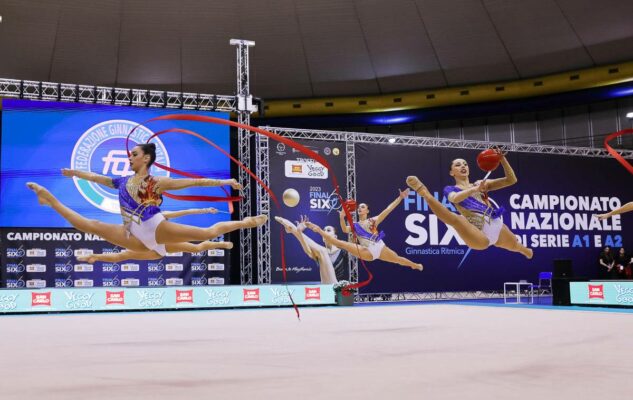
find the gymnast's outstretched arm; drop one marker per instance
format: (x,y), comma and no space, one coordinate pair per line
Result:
(89,176)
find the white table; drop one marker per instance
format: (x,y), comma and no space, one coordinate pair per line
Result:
(517,286)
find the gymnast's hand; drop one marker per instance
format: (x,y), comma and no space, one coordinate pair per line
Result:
(301,225)
(481,185)
(210,210)
(69,172)
(235,184)
(404,193)
(602,216)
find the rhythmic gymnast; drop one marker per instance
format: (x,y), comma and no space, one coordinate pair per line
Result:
(480,224)
(624,209)
(152,255)
(140,195)
(331,260)
(371,246)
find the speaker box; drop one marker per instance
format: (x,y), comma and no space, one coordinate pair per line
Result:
(563,268)
(560,292)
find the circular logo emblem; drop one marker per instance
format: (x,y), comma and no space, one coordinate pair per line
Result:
(101,149)
(336,151)
(327,151)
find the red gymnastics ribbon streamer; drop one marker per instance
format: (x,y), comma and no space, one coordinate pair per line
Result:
(614,153)
(306,151)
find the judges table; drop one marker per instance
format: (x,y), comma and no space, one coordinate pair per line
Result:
(508,287)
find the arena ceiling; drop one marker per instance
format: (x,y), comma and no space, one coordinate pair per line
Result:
(309,48)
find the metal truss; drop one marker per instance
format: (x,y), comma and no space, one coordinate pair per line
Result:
(264,265)
(357,137)
(244,154)
(350,167)
(35,90)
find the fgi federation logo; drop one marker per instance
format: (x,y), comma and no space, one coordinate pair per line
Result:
(101,149)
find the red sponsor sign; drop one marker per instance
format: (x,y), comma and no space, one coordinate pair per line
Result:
(313,293)
(251,294)
(184,296)
(596,292)
(115,297)
(40,299)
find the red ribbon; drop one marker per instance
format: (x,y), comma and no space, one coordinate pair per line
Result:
(614,153)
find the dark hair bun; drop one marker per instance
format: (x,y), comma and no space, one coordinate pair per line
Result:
(152,145)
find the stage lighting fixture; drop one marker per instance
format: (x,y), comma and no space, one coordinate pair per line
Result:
(629,115)
(392,140)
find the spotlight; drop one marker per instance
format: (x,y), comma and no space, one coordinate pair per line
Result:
(393,140)
(629,115)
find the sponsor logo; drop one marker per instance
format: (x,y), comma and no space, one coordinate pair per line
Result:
(13,252)
(155,267)
(36,268)
(79,300)
(197,267)
(35,283)
(63,268)
(313,293)
(174,267)
(150,299)
(36,253)
(327,151)
(61,252)
(281,149)
(281,296)
(83,252)
(130,267)
(174,282)
(198,281)
(323,201)
(16,283)
(13,268)
(156,281)
(199,254)
(215,253)
(336,151)
(110,282)
(130,282)
(215,281)
(218,297)
(177,254)
(184,296)
(8,302)
(64,282)
(624,294)
(596,292)
(115,298)
(251,294)
(84,268)
(99,149)
(215,267)
(110,250)
(110,267)
(305,168)
(84,283)
(41,299)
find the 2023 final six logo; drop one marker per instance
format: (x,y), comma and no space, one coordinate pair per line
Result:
(101,149)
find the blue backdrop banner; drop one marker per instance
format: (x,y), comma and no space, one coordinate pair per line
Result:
(40,138)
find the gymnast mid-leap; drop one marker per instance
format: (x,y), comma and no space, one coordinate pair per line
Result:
(480,224)
(145,229)
(371,246)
